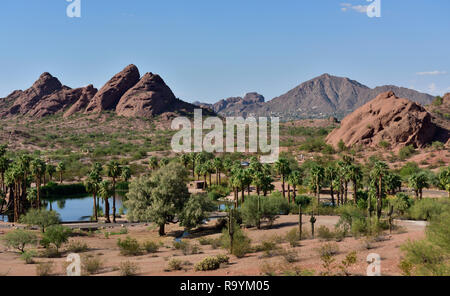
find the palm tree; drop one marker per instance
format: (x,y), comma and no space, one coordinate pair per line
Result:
(418,182)
(184,159)
(51,170)
(393,182)
(444,179)
(317,174)
(113,170)
(218,166)
(126,173)
(282,168)
(193,159)
(330,175)
(38,171)
(355,175)
(61,168)
(4,165)
(209,166)
(295,179)
(105,192)
(379,171)
(92,185)
(153,163)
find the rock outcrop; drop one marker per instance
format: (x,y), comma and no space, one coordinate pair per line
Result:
(399,122)
(47,96)
(81,104)
(109,95)
(150,97)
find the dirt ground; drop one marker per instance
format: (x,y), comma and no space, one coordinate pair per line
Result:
(252,264)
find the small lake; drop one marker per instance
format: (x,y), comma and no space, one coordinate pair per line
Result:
(81,208)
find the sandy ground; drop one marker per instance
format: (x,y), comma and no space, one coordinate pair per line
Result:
(156,264)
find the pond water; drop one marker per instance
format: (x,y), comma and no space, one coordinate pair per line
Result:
(81,208)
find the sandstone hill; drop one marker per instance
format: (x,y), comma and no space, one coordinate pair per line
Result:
(397,121)
(126,93)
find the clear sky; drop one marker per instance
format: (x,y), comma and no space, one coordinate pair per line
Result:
(209,49)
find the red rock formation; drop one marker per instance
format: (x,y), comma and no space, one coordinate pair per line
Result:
(109,95)
(399,122)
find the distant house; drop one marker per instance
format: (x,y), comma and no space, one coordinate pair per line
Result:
(245,163)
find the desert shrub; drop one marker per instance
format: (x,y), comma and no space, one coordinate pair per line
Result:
(129,247)
(56,235)
(350,214)
(151,247)
(175,264)
(44,268)
(205,241)
(406,152)
(41,218)
(401,203)
(293,236)
(211,263)
(328,249)
(18,239)
(50,252)
(325,233)
(290,256)
(91,264)
(77,247)
(186,248)
(426,208)
(349,260)
(128,268)
(28,257)
(241,242)
(438,145)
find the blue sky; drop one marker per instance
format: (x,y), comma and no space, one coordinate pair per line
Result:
(209,49)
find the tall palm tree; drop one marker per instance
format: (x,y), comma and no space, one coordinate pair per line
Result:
(218,166)
(379,171)
(51,170)
(282,168)
(295,179)
(209,166)
(355,174)
(92,185)
(330,175)
(105,192)
(38,169)
(4,165)
(113,170)
(61,168)
(418,182)
(193,159)
(126,173)
(184,159)
(317,175)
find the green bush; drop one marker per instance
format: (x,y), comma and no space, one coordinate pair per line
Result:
(426,208)
(406,152)
(293,236)
(151,247)
(91,264)
(56,235)
(269,209)
(325,233)
(241,242)
(19,238)
(211,263)
(129,247)
(77,247)
(28,257)
(175,264)
(41,218)
(128,268)
(44,268)
(216,192)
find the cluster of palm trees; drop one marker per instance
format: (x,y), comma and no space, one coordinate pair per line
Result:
(100,188)
(17,177)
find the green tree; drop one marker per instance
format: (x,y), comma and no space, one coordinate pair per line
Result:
(126,173)
(355,175)
(444,179)
(418,182)
(114,171)
(38,169)
(196,210)
(56,235)
(51,170)
(295,179)
(92,185)
(61,168)
(282,168)
(158,199)
(18,239)
(106,191)
(153,163)
(378,173)
(331,176)
(41,218)
(317,176)
(218,166)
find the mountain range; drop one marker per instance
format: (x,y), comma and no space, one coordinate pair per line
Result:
(320,97)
